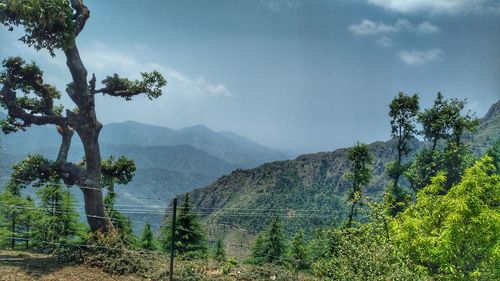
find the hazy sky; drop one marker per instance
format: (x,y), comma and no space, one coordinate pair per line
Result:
(296,75)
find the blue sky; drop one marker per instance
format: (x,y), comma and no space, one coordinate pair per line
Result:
(296,75)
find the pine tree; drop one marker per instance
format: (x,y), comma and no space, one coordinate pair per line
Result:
(259,249)
(147,238)
(190,237)
(299,252)
(220,252)
(277,246)
(16,217)
(270,245)
(28,219)
(59,219)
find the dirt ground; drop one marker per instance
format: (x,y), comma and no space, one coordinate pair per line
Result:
(20,266)
(24,265)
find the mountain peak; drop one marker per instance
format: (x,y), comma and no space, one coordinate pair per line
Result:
(493,111)
(197,128)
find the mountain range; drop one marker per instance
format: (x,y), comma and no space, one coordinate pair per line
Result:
(169,161)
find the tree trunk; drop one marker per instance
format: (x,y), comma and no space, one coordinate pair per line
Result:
(27,235)
(13,241)
(88,127)
(97,216)
(351,214)
(95,209)
(396,179)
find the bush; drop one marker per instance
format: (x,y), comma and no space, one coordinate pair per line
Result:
(454,235)
(358,254)
(229,265)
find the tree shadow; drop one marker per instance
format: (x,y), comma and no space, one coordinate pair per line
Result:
(31,263)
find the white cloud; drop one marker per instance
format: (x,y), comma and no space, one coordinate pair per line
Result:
(437,6)
(420,57)
(281,5)
(427,27)
(104,60)
(384,41)
(368,27)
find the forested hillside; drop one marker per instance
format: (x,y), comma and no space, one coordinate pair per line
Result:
(310,182)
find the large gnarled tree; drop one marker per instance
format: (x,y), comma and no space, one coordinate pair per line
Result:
(54,25)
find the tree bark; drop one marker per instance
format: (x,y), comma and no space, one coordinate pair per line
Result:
(97,216)
(88,128)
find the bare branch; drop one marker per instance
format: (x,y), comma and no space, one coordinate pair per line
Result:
(66,133)
(8,98)
(78,90)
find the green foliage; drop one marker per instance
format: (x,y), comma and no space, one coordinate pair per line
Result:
(454,235)
(147,238)
(277,246)
(299,257)
(219,252)
(229,265)
(59,220)
(403,113)
(190,237)
(122,224)
(494,153)
(285,193)
(119,171)
(444,121)
(37,96)
(151,85)
(452,160)
(456,158)
(396,199)
(360,160)
(426,165)
(29,170)
(17,217)
(360,254)
(47,24)
(270,245)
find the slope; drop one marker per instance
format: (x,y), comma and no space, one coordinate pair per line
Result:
(308,191)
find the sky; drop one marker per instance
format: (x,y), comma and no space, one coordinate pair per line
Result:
(301,76)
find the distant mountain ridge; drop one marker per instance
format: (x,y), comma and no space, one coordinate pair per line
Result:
(230,147)
(168,161)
